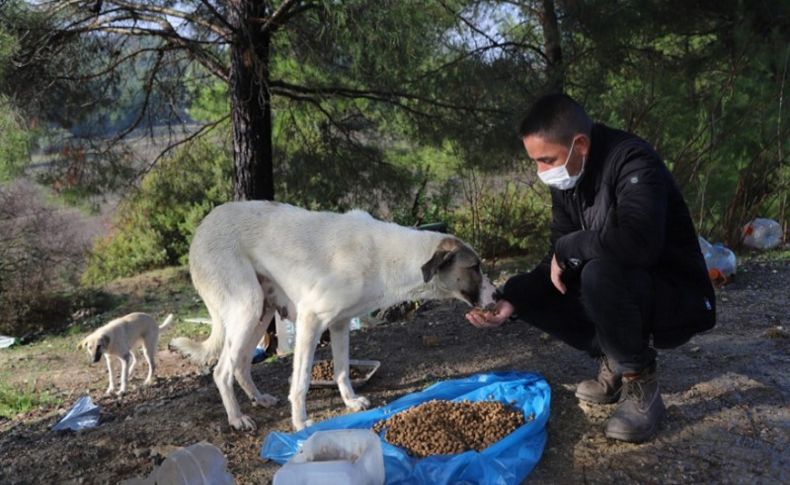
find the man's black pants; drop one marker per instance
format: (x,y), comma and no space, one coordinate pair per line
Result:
(608,308)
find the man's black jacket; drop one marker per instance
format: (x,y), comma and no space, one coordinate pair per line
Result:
(627,208)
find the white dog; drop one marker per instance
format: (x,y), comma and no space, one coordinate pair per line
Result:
(318,269)
(118,338)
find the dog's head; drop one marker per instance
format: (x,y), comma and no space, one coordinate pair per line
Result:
(95,345)
(455,267)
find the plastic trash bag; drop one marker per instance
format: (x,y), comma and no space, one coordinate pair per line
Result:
(336,457)
(762,234)
(507,461)
(198,464)
(82,415)
(6,342)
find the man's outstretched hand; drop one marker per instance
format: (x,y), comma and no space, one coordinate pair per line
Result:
(491,318)
(556,275)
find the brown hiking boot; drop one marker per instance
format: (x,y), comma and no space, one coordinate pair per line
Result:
(641,408)
(605,389)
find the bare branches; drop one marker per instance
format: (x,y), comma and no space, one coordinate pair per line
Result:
(197,134)
(392,97)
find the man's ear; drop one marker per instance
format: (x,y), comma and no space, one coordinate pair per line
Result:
(443,255)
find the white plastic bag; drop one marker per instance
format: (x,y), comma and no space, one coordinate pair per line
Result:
(762,234)
(198,464)
(336,457)
(83,414)
(719,259)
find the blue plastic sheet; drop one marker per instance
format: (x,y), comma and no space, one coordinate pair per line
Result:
(507,461)
(82,415)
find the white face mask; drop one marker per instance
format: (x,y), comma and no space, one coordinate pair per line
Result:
(559,177)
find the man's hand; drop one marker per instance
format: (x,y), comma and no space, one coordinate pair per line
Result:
(491,318)
(556,275)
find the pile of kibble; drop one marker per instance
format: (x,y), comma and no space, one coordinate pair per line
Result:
(447,427)
(324,370)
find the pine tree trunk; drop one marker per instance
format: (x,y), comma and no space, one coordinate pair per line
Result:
(555,70)
(250,103)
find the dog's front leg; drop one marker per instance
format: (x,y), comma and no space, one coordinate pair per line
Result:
(134,363)
(307,333)
(124,373)
(111,387)
(340,347)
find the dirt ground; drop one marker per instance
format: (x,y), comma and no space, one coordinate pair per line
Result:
(727,394)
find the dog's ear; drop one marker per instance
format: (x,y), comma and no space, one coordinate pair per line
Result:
(443,255)
(104,340)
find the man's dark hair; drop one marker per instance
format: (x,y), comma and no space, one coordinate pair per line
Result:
(556,117)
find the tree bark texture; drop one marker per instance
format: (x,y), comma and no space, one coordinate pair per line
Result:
(250,102)
(555,70)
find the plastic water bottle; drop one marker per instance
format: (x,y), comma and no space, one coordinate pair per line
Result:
(720,260)
(762,234)
(286,334)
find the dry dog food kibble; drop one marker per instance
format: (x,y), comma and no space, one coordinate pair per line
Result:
(447,427)
(324,370)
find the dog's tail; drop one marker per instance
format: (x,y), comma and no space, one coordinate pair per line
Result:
(205,352)
(167,321)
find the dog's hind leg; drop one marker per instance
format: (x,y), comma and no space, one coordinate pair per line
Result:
(338,332)
(243,369)
(242,321)
(111,387)
(308,332)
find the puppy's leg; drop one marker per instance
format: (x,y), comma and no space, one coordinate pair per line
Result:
(308,332)
(339,333)
(124,373)
(149,352)
(243,369)
(134,362)
(111,387)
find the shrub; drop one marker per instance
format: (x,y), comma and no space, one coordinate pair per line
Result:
(42,250)
(153,227)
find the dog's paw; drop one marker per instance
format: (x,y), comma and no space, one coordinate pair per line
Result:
(120,392)
(265,400)
(242,423)
(358,403)
(109,391)
(299,425)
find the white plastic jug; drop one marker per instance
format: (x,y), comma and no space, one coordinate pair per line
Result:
(336,457)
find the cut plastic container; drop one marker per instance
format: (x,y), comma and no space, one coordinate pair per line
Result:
(337,457)
(368,368)
(198,464)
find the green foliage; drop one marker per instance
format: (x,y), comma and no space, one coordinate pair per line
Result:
(14,401)
(154,227)
(14,142)
(503,221)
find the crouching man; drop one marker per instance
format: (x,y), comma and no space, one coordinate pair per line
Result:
(625,273)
